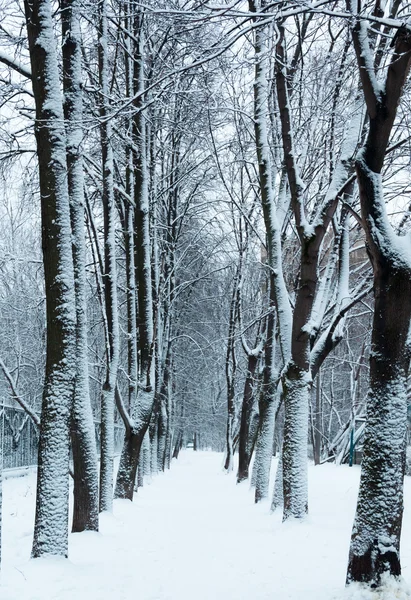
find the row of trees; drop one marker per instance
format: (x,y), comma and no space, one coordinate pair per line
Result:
(203,247)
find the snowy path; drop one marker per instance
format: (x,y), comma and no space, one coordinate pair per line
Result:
(192,535)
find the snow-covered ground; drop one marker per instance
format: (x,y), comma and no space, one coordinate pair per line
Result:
(193,534)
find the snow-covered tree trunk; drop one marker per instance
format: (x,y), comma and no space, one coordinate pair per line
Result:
(165,363)
(161,432)
(278,494)
(231,368)
(131,303)
(265,441)
(297,376)
(169,435)
(51,521)
(246,441)
(178,444)
(146,454)
(267,409)
(140,471)
(279,300)
(128,227)
(143,404)
(110,272)
(153,446)
(376,533)
(297,387)
(377,526)
(85,510)
(165,412)
(317,422)
(164,276)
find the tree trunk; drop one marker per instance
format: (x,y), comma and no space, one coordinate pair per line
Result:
(267,406)
(161,434)
(128,464)
(51,521)
(377,527)
(143,405)
(317,422)
(265,441)
(231,367)
(85,492)
(245,446)
(153,447)
(146,453)
(170,428)
(85,510)
(278,495)
(163,423)
(110,275)
(375,540)
(297,376)
(297,386)
(279,300)
(140,470)
(178,445)
(228,462)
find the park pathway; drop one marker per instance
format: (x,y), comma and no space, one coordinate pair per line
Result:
(190,534)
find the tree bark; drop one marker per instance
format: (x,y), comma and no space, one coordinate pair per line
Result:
(317,422)
(246,443)
(143,405)
(51,521)
(265,441)
(110,275)
(178,445)
(297,385)
(279,301)
(85,510)
(375,540)
(278,493)
(377,527)
(231,366)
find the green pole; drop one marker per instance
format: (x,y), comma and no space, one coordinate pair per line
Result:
(351,447)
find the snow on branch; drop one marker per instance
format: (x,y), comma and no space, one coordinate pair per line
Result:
(371,87)
(15,65)
(341,180)
(294,179)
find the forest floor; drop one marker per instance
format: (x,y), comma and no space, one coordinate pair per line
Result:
(193,534)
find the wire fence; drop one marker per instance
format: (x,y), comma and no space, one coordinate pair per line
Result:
(19,438)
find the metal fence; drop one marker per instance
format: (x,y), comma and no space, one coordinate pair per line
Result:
(19,438)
